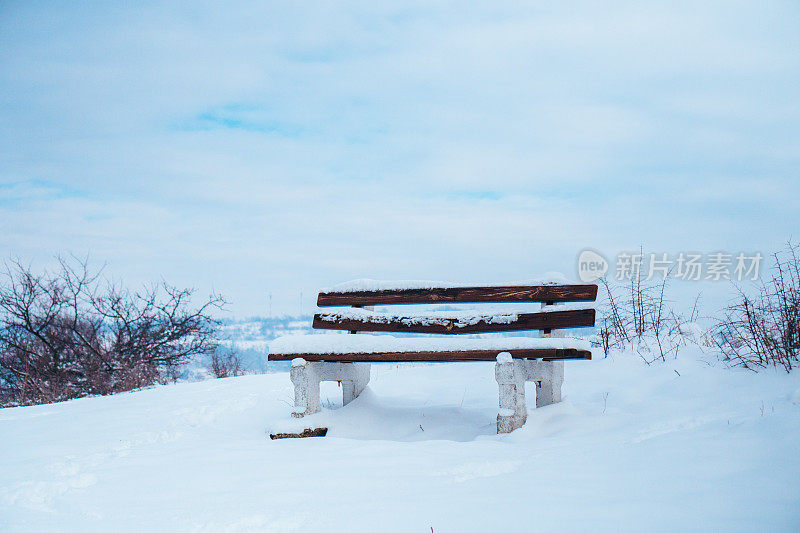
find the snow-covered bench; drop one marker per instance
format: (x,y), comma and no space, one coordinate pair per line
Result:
(346,358)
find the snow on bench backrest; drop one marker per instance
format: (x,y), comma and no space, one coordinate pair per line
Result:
(367,293)
(549,293)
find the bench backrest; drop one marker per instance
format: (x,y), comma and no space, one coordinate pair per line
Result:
(546,321)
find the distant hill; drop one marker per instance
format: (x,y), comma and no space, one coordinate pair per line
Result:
(249,338)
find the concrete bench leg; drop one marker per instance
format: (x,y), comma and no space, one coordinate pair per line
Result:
(351,388)
(307,376)
(306,388)
(549,376)
(511,375)
(510,378)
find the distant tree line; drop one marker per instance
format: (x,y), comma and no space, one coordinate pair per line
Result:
(68,333)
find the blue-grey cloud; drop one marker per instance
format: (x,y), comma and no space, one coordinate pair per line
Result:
(279,147)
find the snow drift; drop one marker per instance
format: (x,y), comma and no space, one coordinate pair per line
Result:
(686,445)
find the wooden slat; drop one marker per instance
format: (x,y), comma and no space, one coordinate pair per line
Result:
(532,293)
(547,354)
(308,432)
(574,318)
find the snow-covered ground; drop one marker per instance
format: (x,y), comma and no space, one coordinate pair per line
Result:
(687,445)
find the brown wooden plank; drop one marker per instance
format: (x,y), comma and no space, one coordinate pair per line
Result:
(547,354)
(308,432)
(531,293)
(574,318)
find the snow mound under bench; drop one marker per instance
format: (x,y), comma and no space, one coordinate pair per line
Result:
(342,343)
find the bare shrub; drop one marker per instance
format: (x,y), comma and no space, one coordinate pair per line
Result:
(226,365)
(67,333)
(636,313)
(763,330)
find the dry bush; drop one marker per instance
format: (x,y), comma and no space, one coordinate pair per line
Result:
(66,333)
(637,314)
(226,365)
(764,330)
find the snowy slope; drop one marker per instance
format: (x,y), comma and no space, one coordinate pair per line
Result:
(631,448)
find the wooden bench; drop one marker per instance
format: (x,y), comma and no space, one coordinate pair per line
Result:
(346,358)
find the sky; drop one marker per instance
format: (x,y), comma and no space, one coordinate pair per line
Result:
(256,148)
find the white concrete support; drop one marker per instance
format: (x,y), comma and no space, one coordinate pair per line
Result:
(549,376)
(557,334)
(549,390)
(510,378)
(306,388)
(307,376)
(511,375)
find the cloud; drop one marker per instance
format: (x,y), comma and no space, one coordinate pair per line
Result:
(281,147)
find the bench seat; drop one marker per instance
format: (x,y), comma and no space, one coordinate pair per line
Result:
(376,348)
